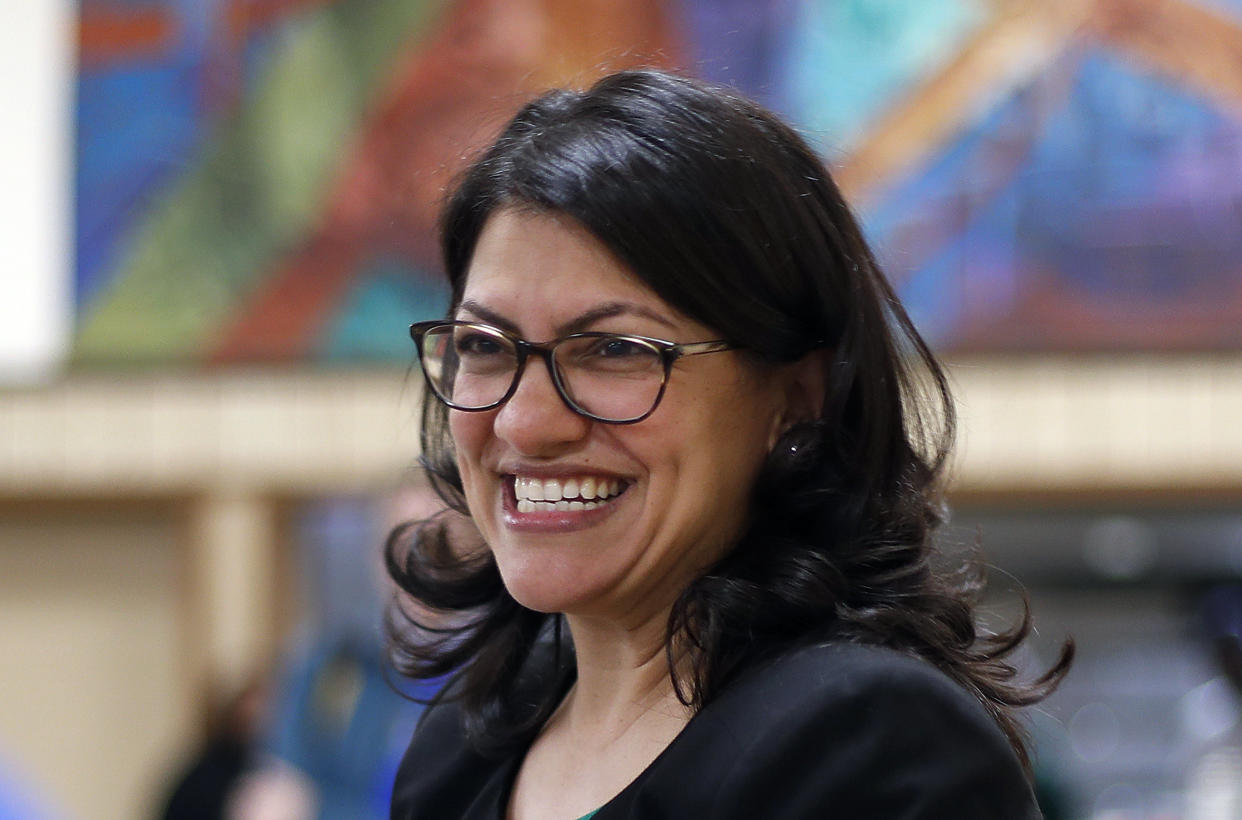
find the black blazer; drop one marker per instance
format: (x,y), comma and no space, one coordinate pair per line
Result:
(839,731)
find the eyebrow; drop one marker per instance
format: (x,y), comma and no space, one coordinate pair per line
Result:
(579,323)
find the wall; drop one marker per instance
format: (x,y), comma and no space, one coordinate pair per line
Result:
(96,701)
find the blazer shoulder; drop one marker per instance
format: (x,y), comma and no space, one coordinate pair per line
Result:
(872,690)
(868,731)
(820,676)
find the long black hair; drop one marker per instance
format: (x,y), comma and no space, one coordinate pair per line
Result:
(727,215)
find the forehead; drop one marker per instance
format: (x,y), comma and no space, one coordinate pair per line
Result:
(530,262)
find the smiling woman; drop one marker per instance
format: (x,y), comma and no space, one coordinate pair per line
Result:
(739,544)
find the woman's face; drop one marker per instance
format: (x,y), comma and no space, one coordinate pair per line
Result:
(677,484)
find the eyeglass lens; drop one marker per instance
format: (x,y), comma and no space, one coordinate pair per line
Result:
(615,378)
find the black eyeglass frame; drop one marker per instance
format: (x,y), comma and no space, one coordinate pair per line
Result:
(669,352)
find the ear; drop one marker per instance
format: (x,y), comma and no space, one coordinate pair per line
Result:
(803,387)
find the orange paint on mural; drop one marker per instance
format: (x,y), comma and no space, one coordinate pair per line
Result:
(107,33)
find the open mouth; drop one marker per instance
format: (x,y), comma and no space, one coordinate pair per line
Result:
(568,494)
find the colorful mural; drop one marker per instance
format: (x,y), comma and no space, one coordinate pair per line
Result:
(1095,204)
(257,179)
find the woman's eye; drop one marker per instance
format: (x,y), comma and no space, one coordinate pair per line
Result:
(612,354)
(620,348)
(478,344)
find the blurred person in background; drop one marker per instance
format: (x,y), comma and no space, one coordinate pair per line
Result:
(231,778)
(204,788)
(703,447)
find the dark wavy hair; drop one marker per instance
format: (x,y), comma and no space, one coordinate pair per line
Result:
(726,214)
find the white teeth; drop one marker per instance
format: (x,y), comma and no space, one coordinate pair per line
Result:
(527,506)
(577,493)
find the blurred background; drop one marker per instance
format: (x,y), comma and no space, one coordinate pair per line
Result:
(218,223)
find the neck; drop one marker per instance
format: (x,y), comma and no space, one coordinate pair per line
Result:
(623,679)
(618,717)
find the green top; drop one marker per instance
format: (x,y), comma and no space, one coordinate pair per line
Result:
(589,815)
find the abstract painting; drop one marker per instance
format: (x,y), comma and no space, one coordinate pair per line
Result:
(257,180)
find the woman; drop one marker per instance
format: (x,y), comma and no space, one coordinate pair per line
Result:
(702,445)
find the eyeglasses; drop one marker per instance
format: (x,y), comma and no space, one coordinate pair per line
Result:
(609,377)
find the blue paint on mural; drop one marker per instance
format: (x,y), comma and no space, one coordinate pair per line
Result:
(739,43)
(137,124)
(1122,191)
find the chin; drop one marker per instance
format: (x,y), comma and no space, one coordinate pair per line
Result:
(539,595)
(541,579)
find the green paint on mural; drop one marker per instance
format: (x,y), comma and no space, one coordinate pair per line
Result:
(374,322)
(256,190)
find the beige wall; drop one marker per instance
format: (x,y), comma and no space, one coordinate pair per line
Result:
(93,695)
(142,555)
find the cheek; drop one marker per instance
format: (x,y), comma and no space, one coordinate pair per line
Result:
(738,448)
(737,423)
(720,447)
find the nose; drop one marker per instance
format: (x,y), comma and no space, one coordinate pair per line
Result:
(536,421)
